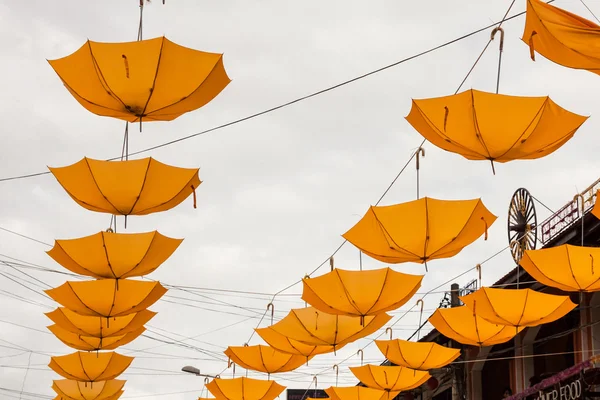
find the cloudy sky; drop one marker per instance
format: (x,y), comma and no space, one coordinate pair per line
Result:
(278,190)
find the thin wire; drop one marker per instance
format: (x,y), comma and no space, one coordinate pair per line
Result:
(542,204)
(591,12)
(297,100)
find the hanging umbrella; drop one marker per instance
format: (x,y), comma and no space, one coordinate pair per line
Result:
(390,378)
(73,390)
(476,125)
(360,293)
(462,325)
(517,307)
(150,80)
(420,230)
(307,325)
(114,255)
(568,268)
(107,297)
(421,356)
(99,327)
(90,343)
(134,187)
(562,37)
(264,359)
(90,367)
(359,393)
(244,389)
(290,346)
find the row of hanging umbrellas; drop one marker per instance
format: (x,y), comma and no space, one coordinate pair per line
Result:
(158,80)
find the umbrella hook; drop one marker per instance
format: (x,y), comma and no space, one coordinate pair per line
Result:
(420,153)
(478,268)
(336,369)
(513,244)
(494,31)
(305,305)
(245,344)
(206,381)
(194,194)
(580,201)
(331,263)
(360,352)
(485,237)
(420,301)
(390,331)
(271,307)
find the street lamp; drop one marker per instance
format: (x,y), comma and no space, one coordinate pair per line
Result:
(193,370)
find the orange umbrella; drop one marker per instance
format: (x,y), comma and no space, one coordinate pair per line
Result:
(90,367)
(290,346)
(107,297)
(99,327)
(438,229)
(464,326)
(134,187)
(114,255)
(562,37)
(422,356)
(74,390)
(153,80)
(90,343)
(360,293)
(264,359)
(244,389)
(315,328)
(387,378)
(359,393)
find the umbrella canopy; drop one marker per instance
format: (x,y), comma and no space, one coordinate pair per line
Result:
(244,389)
(390,378)
(420,230)
(99,327)
(90,343)
(107,297)
(422,356)
(566,267)
(73,390)
(360,293)
(474,124)
(90,367)
(264,359)
(313,327)
(290,346)
(462,325)
(114,255)
(153,80)
(517,307)
(562,37)
(134,187)
(359,393)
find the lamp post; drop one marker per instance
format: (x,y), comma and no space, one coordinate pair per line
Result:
(193,370)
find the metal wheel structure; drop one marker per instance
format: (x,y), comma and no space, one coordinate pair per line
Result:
(522,224)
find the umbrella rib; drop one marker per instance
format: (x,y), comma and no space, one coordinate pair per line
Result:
(127,275)
(83,368)
(98,187)
(192,93)
(103,80)
(426,244)
(382,227)
(454,330)
(461,231)
(141,188)
(541,110)
(79,265)
(496,313)
(162,44)
(107,257)
(171,199)
(106,367)
(427,356)
(347,294)
(476,127)
(571,268)
(114,298)
(446,137)
(387,272)
(81,301)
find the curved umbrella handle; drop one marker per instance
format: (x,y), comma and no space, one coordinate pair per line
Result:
(390,331)
(271,307)
(420,301)
(337,370)
(360,352)
(581,208)
(478,268)
(331,263)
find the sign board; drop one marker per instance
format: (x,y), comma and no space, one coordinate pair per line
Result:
(301,394)
(566,391)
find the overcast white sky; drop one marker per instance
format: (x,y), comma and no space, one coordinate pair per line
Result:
(278,190)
